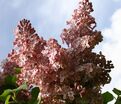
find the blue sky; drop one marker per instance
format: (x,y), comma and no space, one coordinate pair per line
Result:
(49,18)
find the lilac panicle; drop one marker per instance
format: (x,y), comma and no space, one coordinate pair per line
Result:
(62,74)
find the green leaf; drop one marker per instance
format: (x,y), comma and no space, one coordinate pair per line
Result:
(10,80)
(118,100)
(17,70)
(4,95)
(84,102)
(107,97)
(22,87)
(7,92)
(116,91)
(35,92)
(7,99)
(39,100)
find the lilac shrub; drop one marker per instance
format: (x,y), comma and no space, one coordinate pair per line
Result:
(64,75)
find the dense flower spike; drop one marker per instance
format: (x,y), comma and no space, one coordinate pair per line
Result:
(27,52)
(81,27)
(64,75)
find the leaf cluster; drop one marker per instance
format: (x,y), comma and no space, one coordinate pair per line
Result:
(11,93)
(108,97)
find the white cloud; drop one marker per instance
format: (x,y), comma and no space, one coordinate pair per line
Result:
(112,49)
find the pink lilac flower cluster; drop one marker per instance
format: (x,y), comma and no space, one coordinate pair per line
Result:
(62,74)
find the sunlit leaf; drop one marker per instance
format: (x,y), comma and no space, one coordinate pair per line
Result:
(7,99)
(22,87)
(4,95)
